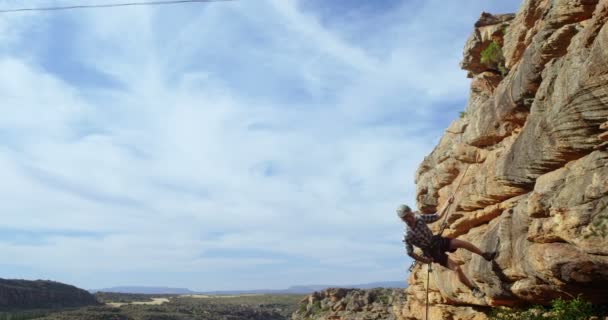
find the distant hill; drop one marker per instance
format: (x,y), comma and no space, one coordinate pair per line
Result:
(41,294)
(306,289)
(301,289)
(146,290)
(385,284)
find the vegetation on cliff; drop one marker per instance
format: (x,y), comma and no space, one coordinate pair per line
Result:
(560,309)
(492,57)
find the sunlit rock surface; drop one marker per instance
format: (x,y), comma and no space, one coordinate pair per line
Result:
(533,143)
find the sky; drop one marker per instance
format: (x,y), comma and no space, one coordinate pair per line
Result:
(250,144)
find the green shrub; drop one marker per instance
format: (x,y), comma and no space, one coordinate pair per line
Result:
(492,57)
(384,299)
(316,308)
(24,315)
(462,114)
(575,309)
(491,54)
(534,313)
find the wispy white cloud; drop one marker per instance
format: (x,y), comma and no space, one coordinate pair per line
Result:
(182,137)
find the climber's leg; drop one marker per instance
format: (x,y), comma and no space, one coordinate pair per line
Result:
(455,244)
(452,265)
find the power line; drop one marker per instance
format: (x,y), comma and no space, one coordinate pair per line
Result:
(112,5)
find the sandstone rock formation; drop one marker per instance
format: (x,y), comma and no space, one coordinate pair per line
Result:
(533,143)
(22,294)
(352,304)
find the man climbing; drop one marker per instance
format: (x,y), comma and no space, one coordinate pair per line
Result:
(418,234)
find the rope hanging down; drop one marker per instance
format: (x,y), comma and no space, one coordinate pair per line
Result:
(110,5)
(443,227)
(428,275)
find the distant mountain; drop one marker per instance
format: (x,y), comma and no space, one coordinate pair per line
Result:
(306,289)
(302,289)
(41,294)
(146,290)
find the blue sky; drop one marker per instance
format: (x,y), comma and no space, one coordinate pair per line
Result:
(232,145)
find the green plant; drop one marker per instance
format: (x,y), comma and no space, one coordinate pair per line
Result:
(491,54)
(316,308)
(534,313)
(492,57)
(25,315)
(462,114)
(575,309)
(384,299)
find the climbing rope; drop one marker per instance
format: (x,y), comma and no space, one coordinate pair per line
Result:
(443,227)
(428,273)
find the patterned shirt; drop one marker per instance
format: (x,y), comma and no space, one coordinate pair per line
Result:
(420,235)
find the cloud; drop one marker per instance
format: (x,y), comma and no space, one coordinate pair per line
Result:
(221,146)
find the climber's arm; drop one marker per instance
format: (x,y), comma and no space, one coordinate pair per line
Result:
(420,258)
(410,252)
(445,208)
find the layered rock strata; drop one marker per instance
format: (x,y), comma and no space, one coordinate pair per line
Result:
(530,156)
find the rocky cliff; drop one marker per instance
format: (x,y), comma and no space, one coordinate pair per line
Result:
(22,294)
(352,304)
(530,155)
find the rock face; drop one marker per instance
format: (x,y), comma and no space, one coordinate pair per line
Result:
(352,304)
(530,155)
(22,294)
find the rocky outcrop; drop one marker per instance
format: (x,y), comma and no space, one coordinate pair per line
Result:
(352,304)
(530,157)
(22,294)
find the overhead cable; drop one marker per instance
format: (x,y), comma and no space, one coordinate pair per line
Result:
(110,5)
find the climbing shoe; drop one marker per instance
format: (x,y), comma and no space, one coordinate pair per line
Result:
(477,293)
(489,256)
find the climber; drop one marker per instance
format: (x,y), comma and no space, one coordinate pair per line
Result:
(418,234)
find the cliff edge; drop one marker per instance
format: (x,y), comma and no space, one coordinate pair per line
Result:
(531,151)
